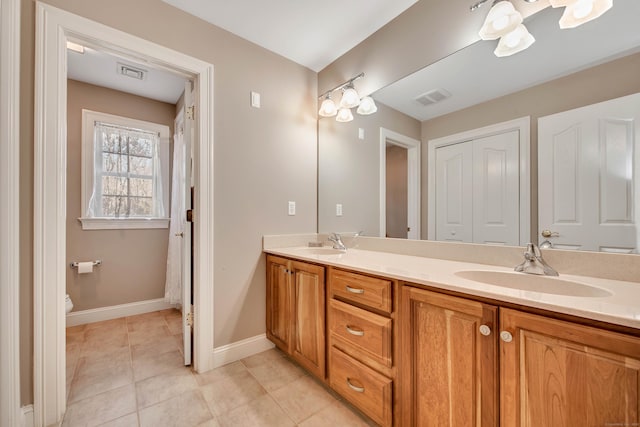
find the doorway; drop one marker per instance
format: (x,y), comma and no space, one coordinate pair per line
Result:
(400,144)
(54,28)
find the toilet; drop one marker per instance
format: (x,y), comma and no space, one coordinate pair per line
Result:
(68,304)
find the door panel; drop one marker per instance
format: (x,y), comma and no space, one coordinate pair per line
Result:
(454,209)
(588,162)
(187,282)
(278,318)
(496,189)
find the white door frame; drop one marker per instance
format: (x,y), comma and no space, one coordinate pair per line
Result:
(10,413)
(523,125)
(413,180)
(53,28)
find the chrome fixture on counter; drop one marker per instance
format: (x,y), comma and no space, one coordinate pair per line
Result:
(337,242)
(534,263)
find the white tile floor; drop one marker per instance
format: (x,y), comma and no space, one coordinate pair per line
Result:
(128,372)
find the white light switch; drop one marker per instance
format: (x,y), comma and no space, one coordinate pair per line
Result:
(339,209)
(255,99)
(361,133)
(292,208)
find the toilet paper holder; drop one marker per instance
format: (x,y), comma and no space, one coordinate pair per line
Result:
(95,263)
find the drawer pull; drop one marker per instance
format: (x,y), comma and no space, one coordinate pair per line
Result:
(354,290)
(354,387)
(356,332)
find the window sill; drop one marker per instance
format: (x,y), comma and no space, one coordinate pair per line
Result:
(123,223)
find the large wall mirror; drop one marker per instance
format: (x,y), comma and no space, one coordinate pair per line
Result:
(377,172)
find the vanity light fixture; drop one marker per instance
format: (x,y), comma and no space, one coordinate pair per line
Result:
(504,22)
(328,107)
(344,115)
(367,106)
(350,99)
(502,19)
(577,12)
(516,41)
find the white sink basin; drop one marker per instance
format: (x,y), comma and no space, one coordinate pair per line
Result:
(325,250)
(533,283)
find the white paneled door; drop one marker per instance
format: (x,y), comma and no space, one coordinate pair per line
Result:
(478,190)
(588,169)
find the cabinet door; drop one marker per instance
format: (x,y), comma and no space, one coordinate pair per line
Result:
(448,367)
(278,304)
(308,337)
(556,373)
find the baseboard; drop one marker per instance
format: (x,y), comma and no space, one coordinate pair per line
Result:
(27,416)
(116,311)
(240,349)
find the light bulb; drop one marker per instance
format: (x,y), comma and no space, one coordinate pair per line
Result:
(344,115)
(350,98)
(500,23)
(582,9)
(512,39)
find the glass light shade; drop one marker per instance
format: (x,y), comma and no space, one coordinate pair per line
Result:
(344,115)
(577,12)
(367,106)
(514,42)
(350,98)
(328,108)
(501,19)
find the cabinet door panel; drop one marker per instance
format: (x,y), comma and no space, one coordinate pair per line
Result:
(278,318)
(559,374)
(309,317)
(448,368)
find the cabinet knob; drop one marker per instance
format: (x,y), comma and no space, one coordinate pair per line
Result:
(354,290)
(485,330)
(506,336)
(356,332)
(354,387)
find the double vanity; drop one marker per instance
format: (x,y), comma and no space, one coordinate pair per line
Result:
(412,340)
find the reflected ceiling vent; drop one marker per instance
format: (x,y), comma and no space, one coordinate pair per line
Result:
(433,96)
(131,71)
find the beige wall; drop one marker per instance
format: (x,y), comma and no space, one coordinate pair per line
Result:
(134,262)
(256,154)
(349,171)
(607,81)
(396,191)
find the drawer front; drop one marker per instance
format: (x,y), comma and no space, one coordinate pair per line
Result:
(368,390)
(369,291)
(368,332)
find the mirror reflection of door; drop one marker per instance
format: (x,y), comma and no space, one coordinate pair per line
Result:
(397,191)
(588,185)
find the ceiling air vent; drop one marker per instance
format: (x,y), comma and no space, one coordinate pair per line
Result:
(433,96)
(130,71)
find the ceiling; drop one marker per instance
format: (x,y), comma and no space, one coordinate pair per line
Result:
(313,34)
(474,75)
(101,69)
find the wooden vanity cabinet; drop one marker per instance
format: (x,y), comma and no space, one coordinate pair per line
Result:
(361,368)
(448,359)
(296,311)
(551,372)
(558,373)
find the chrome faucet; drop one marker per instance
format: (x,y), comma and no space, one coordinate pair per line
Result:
(534,263)
(337,242)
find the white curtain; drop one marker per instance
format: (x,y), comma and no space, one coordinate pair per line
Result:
(173,284)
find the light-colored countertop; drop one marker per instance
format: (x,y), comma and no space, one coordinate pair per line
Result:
(622,307)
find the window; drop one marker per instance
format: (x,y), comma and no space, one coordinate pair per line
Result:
(125,172)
